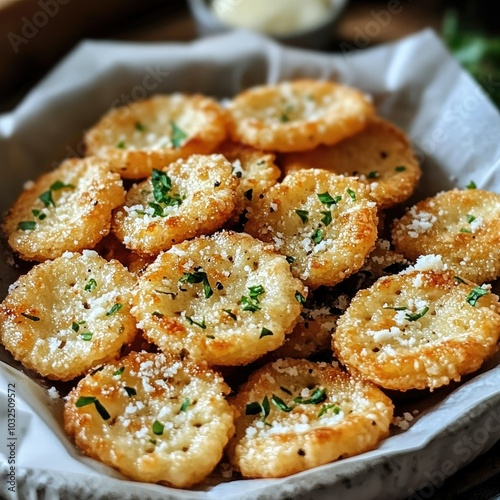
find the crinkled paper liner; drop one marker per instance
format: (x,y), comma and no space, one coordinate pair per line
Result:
(415,83)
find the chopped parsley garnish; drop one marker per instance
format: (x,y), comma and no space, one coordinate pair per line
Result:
(91,285)
(465,230)
(178,135)
(255,408)
(285,114)
(471,185)
(279,403)
(475,294)
(230,313)
(470,218)
(290,259)
(400,168)
(417,316)
(157,428)
(198,277)
(75,326)
(317,397)
(373,174)
(328,199)
(185,405)
(249,304)
(327,217)
(201,323)
(303,214)
(248,194)
(31,317)
(396,308)
(317,236)
(351,193)
(118,372)
(325,408)
(27,225)
(256,291)
(87,336)
(57,185)
(121,145)
(88,400)
(114,309)
(39,214)
(130,391)
(300,298)
(458,279)
(265,332)
(162,185)
(140,127)
(46,199)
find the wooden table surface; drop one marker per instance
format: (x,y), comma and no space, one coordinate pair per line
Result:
(22,64)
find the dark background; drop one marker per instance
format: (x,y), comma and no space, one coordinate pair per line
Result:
(27,53)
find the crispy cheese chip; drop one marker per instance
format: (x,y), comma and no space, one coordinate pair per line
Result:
(68,209)
(418,329)
(154,418)
(380,155)
(299,115)
(68,315)
(225,299)
(326,224)
(155,132)
(186,199)
(461,226)
(294,415)
(256,171)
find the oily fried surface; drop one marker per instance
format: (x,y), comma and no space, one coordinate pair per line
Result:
(186,199)
(68,315)
(380,155)
(298,115)
(327,223)
(225,299)
(463,226)
(418,329)
(315,414)
(155,132)
(154,418)
(68,209)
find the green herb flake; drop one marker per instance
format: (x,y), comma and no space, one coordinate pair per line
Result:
(317,397)
(253,408)
(400,168)
(475,294)
(249,304)
(27,225)
(91,285)
(75,326)
(85,400)
(162,185)
(327,217)
(118,372)
(101,410)
(279,403)
(265,332)
(471,185)
(57,185)
(417,316)
(285,390)
(140,127)
(329,200)
(157,314)
(266,408)
(300,298)
(458,279)
(325,408)
(396,308)
(290,259)
(185,405)
(303,214)
(373,174)
(256,291)
(87,336)
(231,314)
(130,391)
(317,236)
(157,428)
(114,309)
(46,199)
(470,218)
(198,276)
(121,145)
(465,230)
(248,194)
(351,193)
(30,317)
(178,135)
(201,323)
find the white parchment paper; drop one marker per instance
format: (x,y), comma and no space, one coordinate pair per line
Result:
(415,83)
